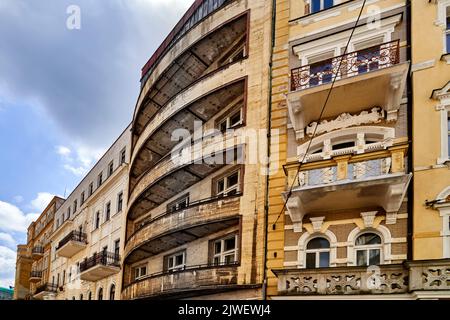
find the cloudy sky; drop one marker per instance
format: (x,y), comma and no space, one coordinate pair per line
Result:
(65,95)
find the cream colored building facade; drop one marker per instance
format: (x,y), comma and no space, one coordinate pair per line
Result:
(87,239)
(431,128)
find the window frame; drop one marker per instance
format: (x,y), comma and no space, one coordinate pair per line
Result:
(140,272)
(224,177)
(317,253)
(368,248)
(123,156)
(120,201)
(223,254)
(110,168)
(97,220)
(108,211)
(184,198)
(175,267)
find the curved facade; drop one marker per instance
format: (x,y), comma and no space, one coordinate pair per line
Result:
(196,204)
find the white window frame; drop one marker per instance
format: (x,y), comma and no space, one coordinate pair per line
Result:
(173,257)
(223,254)
(322,5)
(444,212)
(227,189)
(367,248)
(442,6)
(443,96)
(317,252)
(227,120)
(139,272)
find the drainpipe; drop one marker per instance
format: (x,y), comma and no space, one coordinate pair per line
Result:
(410,134)
(269,136)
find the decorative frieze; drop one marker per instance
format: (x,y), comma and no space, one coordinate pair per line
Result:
(345,120)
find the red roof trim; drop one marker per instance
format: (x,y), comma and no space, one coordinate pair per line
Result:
(171,36)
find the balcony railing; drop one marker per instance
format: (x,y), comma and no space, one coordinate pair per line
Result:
(386,279)
(355,171)
(191,205)
(48,287)
(346,66)
(36,274)
(103,258)
(37,250)
(183,280)
(411,276)
(76,236)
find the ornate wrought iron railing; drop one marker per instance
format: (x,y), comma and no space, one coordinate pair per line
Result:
(37,250)
(103,258)
(345,66)
(73,236)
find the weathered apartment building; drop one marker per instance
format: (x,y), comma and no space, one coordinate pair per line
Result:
(357,200)
(33,259)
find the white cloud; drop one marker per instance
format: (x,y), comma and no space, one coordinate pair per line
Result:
(41,201)
(80,161)
(13,219)
(7,239)
(63,151)
(7,266)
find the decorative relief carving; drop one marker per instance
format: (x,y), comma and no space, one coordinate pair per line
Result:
(345,120)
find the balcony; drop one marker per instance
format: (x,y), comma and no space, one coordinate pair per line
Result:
(99,266)
(182,168)
(37,252)
(195,280)
(45,290)
(349,184)
(360,78)
(73,243)
(35,276)
(420,278)
(173,229)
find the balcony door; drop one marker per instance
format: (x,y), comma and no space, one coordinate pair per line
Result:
(318,253)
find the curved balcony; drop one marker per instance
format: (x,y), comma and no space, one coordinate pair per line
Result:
(177,172)
(191,281)
(203,50)
(360,78)
(225,88)
(173,229)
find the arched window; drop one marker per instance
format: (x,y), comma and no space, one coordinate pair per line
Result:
(318,253)
(81,296)
(90,295)
(112,292)
(73,298)
(368,248)
(100,294)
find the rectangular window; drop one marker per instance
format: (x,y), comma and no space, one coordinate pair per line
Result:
(64,277)
(233,120)
(97,220)
(176,261)
(108,211)
(447,30)
(75,205)
(123,156)
(140,272)
(110,168)
(225,250)
(117,247)
(229,184)
(91,188)
(120,201)
(99,179)
(82,198)
(68,213)
(178,204)
(319,5)
(448,135)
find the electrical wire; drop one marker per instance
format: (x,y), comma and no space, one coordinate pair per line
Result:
(320,116)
